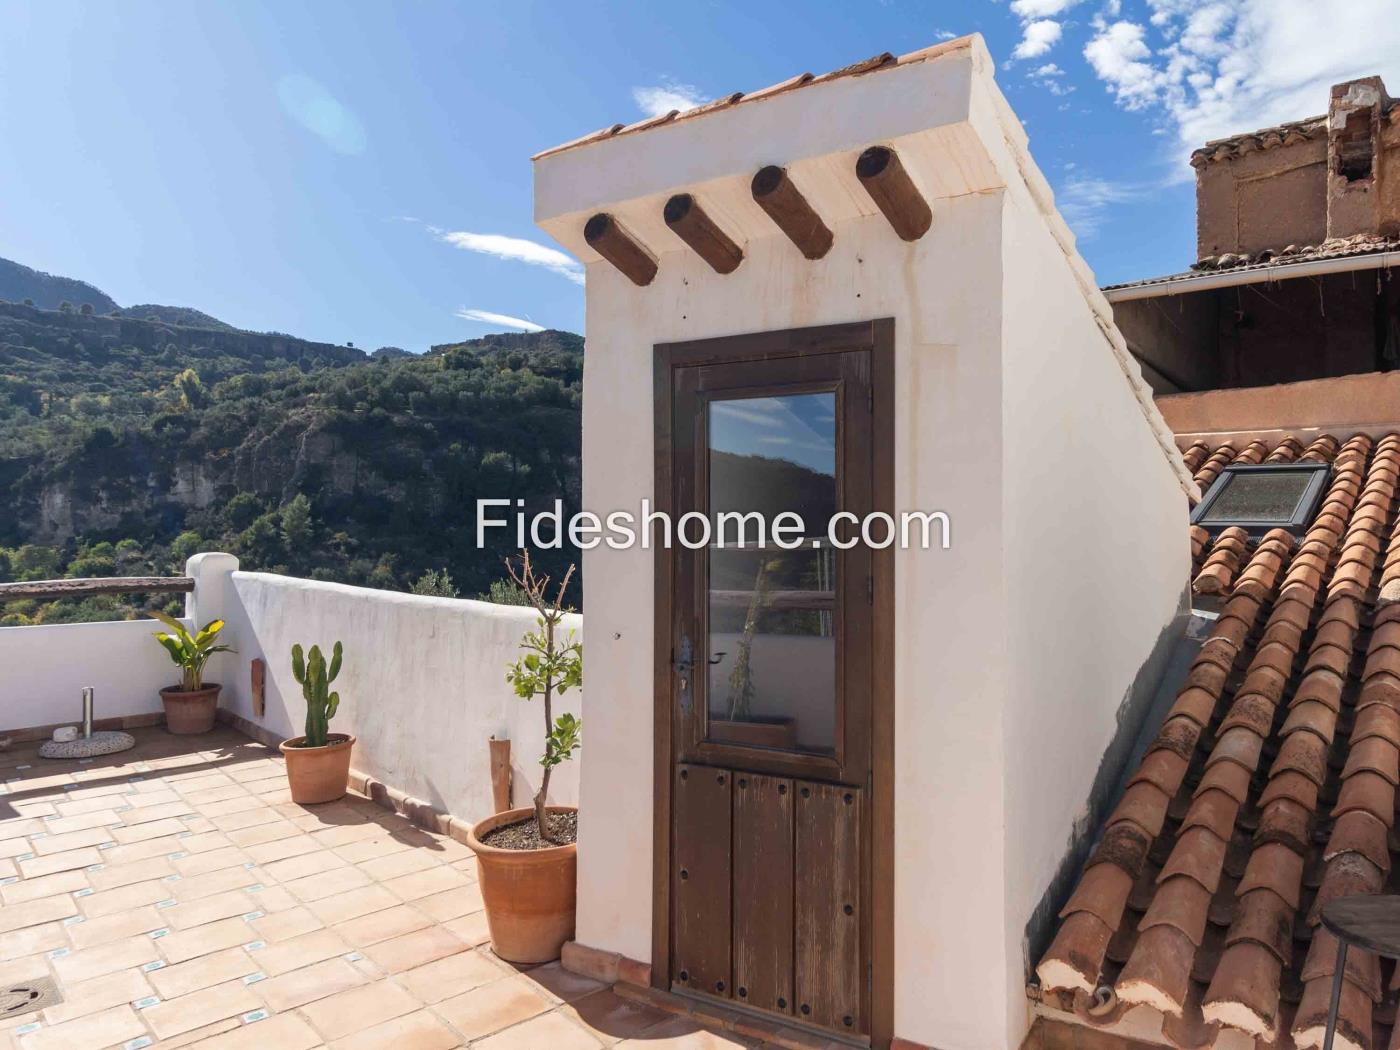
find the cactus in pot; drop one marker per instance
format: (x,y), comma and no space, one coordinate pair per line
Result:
(315,679)
(318,764)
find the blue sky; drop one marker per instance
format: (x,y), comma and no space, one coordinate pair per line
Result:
(360,171)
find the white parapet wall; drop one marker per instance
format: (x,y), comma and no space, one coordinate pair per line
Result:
(46,668)
(422,685)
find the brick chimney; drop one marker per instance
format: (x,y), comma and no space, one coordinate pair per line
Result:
(1356,161)
(1305,182)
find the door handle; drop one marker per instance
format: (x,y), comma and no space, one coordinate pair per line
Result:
(684,664)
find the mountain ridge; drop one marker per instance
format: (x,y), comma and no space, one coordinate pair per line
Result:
(128,443)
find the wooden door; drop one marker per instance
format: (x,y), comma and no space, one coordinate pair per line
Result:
(770,620)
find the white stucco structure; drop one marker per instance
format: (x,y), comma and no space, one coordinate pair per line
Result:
(1014,650)
(422,686)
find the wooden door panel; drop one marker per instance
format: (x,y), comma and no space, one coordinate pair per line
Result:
(763,903)
(767,880)
(701,889)
(827,901)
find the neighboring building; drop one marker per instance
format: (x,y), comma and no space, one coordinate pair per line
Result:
(1296,229)
(1265,785)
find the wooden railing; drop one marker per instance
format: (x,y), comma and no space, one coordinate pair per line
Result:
(48,590)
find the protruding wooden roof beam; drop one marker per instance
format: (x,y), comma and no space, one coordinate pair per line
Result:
(894,193)
(775,193)
(684,215)
(606,237)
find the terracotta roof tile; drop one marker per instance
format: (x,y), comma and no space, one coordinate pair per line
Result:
(1162,768)
(1353,1017)
(1142,804)
(1288,784)
(1158,972)
(1266,919)
(1359,832)
(1214,810)
(1199,854)
(1195,455)
(1369,792)
(1273,866)
(1346,876)
(1103,893)
(1285,821)
(1244,993)
(1230,777)
(1271,788)
(1279,259)
(1124,845)
(1076,955)
(1375,754)
(1226,557)
(1362,967)
(1180,902)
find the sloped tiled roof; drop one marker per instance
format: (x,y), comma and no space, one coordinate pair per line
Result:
(1276,259)
(1269,789)
(1288,134)
(884,60)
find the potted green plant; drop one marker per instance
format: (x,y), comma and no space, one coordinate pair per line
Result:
(527,858)
(318,762)
(190,706)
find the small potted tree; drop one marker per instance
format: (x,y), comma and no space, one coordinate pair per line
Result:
(318,762)
(190,706)
(526,858)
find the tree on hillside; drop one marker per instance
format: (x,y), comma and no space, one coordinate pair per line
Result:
(193,395)
(85,309)
(296,523)
(435,583)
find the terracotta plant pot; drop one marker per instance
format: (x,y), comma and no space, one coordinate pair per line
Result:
(530,894)
(187,713)
(318,774)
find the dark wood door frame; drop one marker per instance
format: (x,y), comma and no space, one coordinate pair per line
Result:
(877,337)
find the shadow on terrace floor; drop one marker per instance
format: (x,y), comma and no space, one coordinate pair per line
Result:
(176,896)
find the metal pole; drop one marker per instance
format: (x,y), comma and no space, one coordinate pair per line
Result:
(87,712)
(1336,994)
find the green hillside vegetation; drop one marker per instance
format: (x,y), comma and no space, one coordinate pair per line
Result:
(181,315)
(48,291)
(126,445)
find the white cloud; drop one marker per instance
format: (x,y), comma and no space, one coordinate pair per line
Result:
(516,249)
(1217,68)
(1037,38)
(943,34)
(656,100)
(1120,57)
(1040,30)
(505,320)
(1051,78)
(1084,201)
(1029,10)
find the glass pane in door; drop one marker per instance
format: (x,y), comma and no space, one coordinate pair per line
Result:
(772,638)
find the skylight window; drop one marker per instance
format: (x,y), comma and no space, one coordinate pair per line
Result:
(1264,497)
